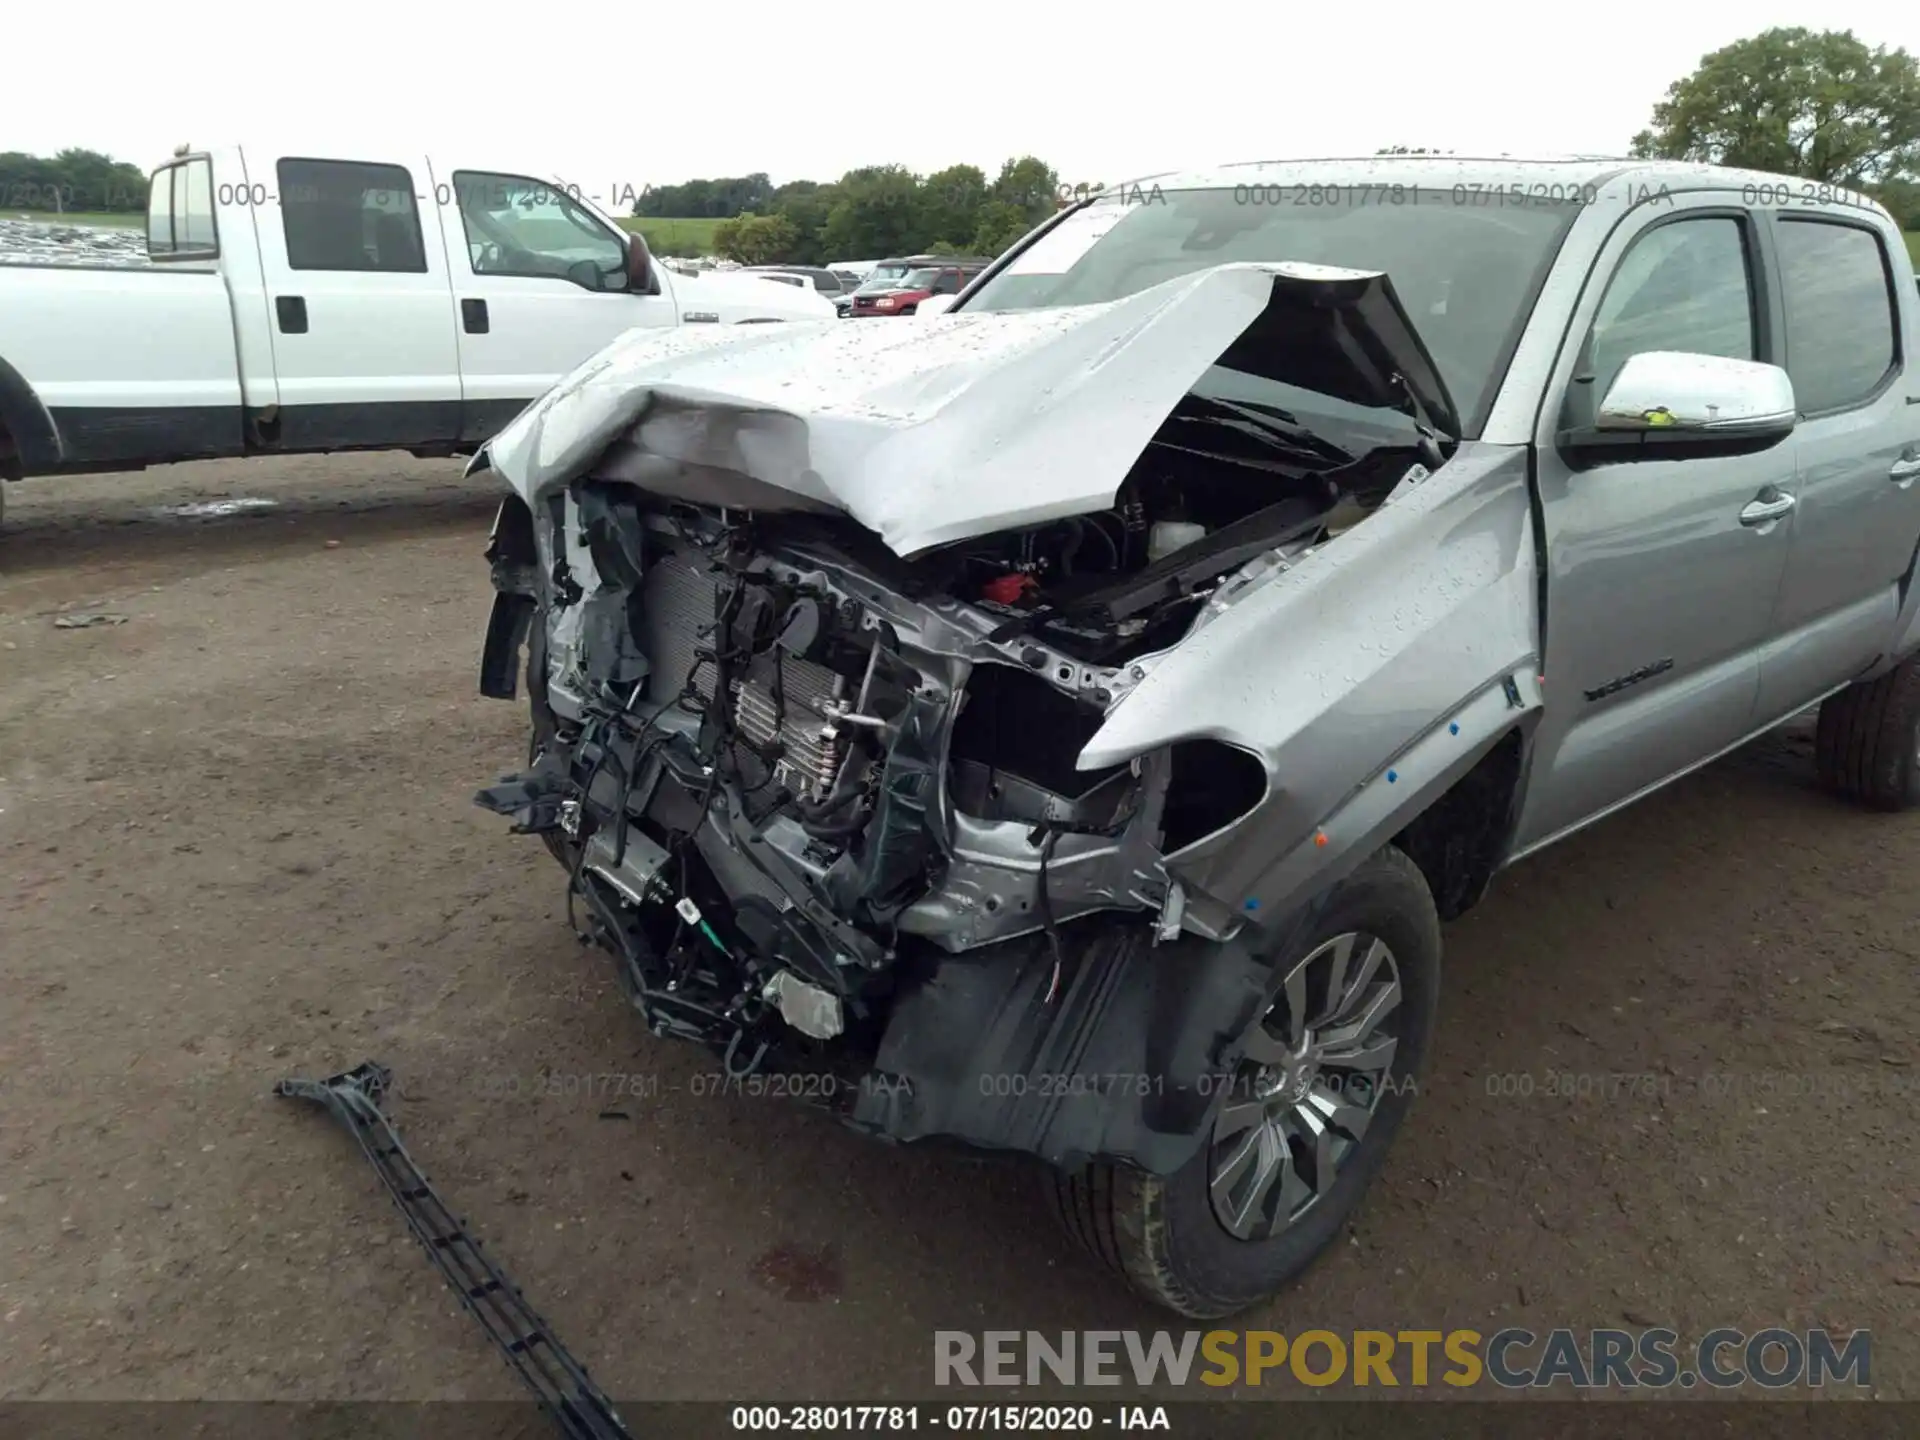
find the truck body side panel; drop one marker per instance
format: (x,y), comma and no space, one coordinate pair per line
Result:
(132,365)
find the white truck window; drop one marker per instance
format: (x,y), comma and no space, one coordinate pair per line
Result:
(516,225)
(180,211)
(349,215)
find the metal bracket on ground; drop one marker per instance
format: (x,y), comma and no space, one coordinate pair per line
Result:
(530,1348)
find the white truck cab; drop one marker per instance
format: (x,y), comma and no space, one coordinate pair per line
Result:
(310,300)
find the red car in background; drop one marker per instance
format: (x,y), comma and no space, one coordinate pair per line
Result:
(902,294)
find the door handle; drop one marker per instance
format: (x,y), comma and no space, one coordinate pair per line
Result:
(1761,512)
(1906,467)
(473,316)
(292,313)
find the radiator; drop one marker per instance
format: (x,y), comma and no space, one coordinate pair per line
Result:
(784,721)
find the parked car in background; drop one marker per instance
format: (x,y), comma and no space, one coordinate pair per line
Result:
(882,274)
(390,301)
(1115,686)
(903,295)
(821,280)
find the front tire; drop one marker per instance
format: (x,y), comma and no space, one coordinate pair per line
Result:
(1867,743)
(1331,1070)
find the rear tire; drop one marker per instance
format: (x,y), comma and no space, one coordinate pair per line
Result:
(1867,743)
(1169,1237)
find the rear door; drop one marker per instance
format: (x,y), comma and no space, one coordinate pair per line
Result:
(1857,452)
(1662,573)
(540,281)
(362,307)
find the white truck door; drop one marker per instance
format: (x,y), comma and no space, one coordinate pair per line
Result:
(362,307)
(540,281)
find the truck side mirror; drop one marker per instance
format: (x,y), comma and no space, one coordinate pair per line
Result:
(640,277)
(1669,403)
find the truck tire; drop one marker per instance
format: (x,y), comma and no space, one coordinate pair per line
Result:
(1867,737)
(1251,1211)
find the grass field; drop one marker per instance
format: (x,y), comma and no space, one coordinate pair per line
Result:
(1913,247)
(675,237)
(78,217)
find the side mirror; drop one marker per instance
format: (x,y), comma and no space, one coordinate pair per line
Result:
(640,279)
(1668,402)
(935,305)
(588,275)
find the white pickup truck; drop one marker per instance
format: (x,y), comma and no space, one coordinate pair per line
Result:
(295,303)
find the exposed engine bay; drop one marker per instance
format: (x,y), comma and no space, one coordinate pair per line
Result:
(821,628)
(789,765)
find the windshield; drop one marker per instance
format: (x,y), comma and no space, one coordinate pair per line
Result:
(1466,273)
(883,277)
(920,279)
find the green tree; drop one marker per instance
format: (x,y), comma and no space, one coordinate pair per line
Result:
(877,213)
(72,180)
(950,202)
(1902,199)
(756,239)
(1029,185)
(1000,225)
(806,204)
(720,199)
(1798,102)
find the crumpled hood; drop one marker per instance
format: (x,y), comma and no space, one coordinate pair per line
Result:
(960,425)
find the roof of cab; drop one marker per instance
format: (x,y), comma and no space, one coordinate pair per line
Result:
(1584,172)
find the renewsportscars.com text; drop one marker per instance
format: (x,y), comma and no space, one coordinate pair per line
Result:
(1513,1358)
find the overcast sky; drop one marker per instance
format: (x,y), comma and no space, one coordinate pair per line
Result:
(612,96)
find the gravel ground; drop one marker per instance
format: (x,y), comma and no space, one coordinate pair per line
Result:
(237,842)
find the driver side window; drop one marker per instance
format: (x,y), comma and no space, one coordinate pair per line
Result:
(519,226)
(1683,285)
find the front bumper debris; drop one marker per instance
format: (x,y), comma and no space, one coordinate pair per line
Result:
(532,1351)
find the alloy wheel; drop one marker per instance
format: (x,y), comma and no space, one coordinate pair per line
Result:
(1312,1074)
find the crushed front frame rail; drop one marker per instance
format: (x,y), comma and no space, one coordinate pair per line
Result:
(530,1347)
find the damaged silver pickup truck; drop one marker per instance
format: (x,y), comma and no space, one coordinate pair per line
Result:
(1060,726)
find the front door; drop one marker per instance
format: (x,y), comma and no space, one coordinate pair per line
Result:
(540,283)
(1662,574)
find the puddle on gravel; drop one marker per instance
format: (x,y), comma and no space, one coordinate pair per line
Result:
(217,509)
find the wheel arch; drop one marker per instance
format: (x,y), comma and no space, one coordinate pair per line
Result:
(1460,840)
(29,438)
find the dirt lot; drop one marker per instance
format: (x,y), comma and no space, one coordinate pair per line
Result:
(236,842)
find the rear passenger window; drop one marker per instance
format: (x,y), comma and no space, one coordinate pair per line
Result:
(1682,286)
(1840,312)
(346,215)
